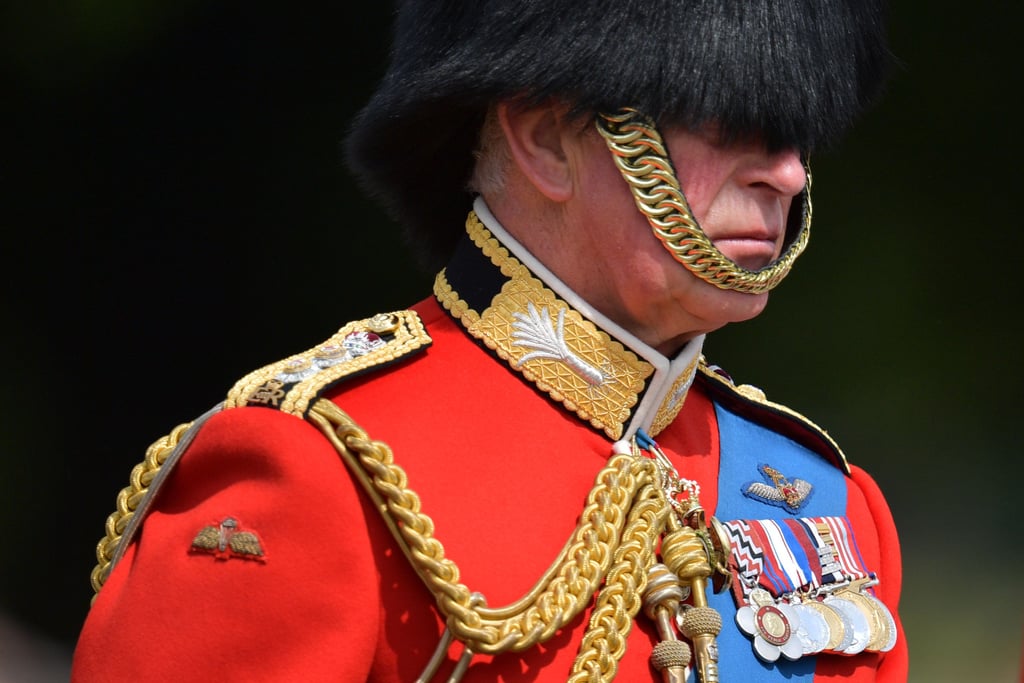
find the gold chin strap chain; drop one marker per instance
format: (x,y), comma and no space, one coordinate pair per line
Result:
(610,553)
(642,159)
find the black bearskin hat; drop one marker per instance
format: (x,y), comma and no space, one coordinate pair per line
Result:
(794,72)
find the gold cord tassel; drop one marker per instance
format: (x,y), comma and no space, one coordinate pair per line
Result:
(661,603)
(686,555)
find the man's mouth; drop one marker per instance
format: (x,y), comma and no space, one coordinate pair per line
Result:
(752,250)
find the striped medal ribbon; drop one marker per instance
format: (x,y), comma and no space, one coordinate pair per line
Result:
(801,588)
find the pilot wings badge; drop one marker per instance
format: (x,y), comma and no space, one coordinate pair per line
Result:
(778,490)
(228,540)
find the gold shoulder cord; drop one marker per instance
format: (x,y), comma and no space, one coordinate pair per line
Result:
(128,501)
(614,544)
(310,371)
(611,554)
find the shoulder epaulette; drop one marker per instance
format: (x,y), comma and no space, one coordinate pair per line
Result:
(288,385)
(291,384)
(750,402)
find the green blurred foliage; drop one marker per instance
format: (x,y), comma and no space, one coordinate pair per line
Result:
(176,212)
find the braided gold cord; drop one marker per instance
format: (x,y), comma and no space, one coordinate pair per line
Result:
(642,159)
(568,585)
(128,501)
(604,642)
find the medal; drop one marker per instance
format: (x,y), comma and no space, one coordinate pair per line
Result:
(801,589)
(813,630)
(888,640)
(882,625)
(859,633)
(772,626)
(876,627)
(836,625)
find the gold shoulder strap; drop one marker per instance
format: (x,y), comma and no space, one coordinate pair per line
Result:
(287,385)
(291,384)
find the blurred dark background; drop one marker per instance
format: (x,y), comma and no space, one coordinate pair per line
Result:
(175,213)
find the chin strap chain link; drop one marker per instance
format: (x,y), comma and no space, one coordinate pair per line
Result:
(642,158)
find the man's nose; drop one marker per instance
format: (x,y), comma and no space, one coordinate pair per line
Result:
(783,171)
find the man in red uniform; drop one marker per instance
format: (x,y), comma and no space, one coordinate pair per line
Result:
(534,475)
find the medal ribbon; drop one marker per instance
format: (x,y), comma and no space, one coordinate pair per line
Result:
(791,555)
(836,532)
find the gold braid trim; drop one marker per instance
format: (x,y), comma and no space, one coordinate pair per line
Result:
(606,400)
(624,515)
(604,642)
(128,501)
(642,159)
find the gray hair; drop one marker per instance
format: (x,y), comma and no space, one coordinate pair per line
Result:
(492,157)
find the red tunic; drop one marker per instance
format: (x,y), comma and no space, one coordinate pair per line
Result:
(500,468)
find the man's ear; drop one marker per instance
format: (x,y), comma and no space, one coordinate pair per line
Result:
(536,141)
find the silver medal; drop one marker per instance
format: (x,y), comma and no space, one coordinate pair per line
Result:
(860,627)
(886,615)
(845,635)
(813,632)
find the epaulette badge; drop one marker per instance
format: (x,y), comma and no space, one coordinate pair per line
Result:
(291,384)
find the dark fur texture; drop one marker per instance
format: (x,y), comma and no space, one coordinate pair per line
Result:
(796,73)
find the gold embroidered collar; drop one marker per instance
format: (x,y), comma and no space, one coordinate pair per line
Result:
(532,321)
